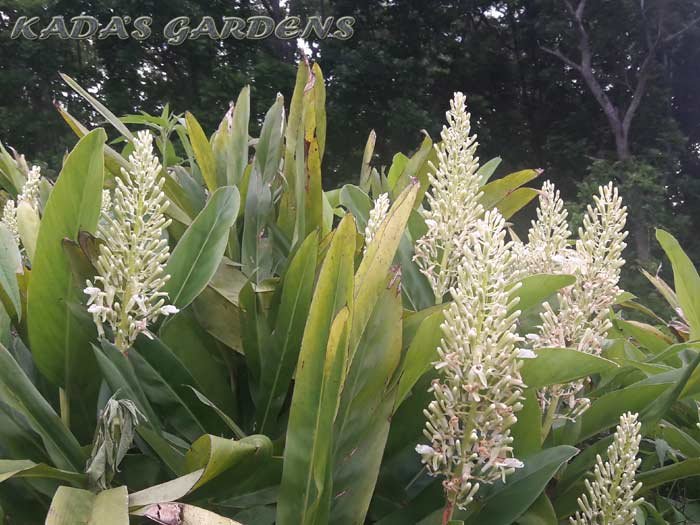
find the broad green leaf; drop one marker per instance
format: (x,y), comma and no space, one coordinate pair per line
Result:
(164,381)
(487,170)
(356,202)
(279,361)
(646,335)
(366,405)
(516,201)
(76,506)
(540,513)
(521,489)
(230,142)
(119,374)
(679,439)
(203,153)
(268,151)
(17,391)
(662,475)
(197,256)
(10,266)
(305,492)
(256,244)
(398,182)
(224,417)
(367,160)
(374,268)
(527,430)
(289,207)
(60,342)
(420,355)
(305,489)
(199,354)
(605,411)
(168,491)
(535,289)
(216,455)
(686,281)
(497,190)
(24,468)
(556,366)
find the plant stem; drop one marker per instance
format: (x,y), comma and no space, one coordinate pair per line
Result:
(447,513)
(549,416)
(64,403)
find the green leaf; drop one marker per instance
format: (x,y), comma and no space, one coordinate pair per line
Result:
(535,289)
(10,266)
(540,513)
(197,256)
(256,246)
(374,268)
(420,355)
(17,391)
(76,506)
(516,201)
(495,191)
(224,417)
(364,415)
(230,142)
(527,430)
(605,411)
(662,475)
(268,151)
(164,492)
(487,170)
(203,153)
(398,182)
(305,489)
(556,366)
(101,109)
(646,335)
(686,281)
(24,468)
(279,361)
(521,489)
(216,455)
(60,343)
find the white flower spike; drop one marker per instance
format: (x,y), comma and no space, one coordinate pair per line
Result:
(453,200)
(479,388)
(611,494)
(127,293)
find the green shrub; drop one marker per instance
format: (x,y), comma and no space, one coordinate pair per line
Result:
(193,335)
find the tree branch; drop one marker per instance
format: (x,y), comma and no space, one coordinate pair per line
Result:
(561,56)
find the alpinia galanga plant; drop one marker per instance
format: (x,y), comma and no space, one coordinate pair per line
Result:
(194,331)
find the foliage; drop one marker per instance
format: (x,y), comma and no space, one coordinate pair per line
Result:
(288,382)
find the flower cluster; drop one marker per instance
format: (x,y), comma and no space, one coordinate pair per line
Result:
(548,238)
(454,201)
(611,494)
(581,319)
(29,196)
(479,388)
(376,216)
(127,292)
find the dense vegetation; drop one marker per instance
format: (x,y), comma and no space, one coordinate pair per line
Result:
(195,332)
(405,58)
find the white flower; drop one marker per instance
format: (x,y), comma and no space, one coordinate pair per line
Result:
(30,195)
(581,321)
(30,190)
(453,201)
(376,216)
(169,309)
(479,386)
(611,494)
(132,259)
